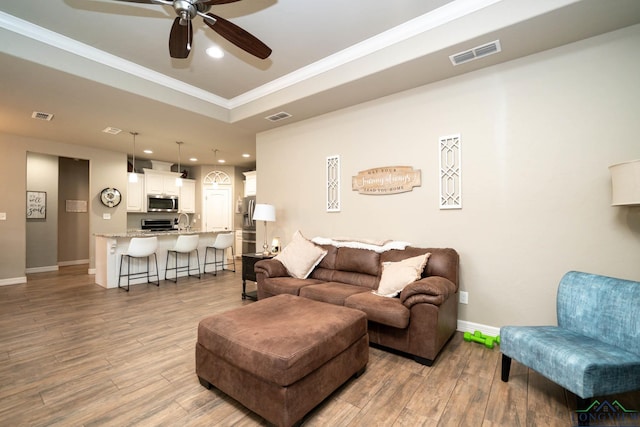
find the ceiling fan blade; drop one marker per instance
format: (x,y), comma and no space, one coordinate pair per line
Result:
(238,36)
(180,39)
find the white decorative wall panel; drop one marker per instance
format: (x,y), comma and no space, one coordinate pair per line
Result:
(333,184)
(450,172)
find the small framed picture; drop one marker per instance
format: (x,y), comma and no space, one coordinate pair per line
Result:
(36,204)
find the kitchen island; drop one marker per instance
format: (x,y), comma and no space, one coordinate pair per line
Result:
(110,247)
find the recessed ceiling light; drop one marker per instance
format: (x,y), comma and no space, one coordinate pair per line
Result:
(222,161)
(193,159)
(148,151)
(245,155)
(215,52)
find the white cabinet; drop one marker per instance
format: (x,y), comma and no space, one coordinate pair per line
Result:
(250,183)
(188,196)
(136,195)
(160,182)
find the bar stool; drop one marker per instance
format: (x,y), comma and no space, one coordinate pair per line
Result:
(222,243)
(139,247)
(186,244)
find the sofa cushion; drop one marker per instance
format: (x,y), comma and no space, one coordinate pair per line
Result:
(397,275)
(331,292)
(387,311)
(286,285)
(300,256)
(358,261)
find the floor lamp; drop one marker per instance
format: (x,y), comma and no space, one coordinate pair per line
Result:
(264,213)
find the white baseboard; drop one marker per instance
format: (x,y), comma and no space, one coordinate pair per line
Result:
(74,262)
(13,281)
(464,326)
(41,269)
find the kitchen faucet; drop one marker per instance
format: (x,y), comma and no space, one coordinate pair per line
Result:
(187,226)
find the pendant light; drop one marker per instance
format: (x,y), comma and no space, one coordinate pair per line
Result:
(214,183)
(179,178)
(133,177)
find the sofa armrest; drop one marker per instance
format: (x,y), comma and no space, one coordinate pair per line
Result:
(432,290)
(270,268)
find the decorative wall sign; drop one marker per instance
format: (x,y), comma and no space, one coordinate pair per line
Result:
(386,180)
(36,204)
(76,206)
(450,172)
(333,184)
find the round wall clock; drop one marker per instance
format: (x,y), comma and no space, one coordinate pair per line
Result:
(110,197)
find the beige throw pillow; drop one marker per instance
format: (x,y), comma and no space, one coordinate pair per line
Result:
(300,256)
(397,275)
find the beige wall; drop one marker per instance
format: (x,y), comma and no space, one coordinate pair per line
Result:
(538,135)
(42,233)
(106,169)
(73,227)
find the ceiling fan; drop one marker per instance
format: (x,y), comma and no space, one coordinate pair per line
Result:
(181,35)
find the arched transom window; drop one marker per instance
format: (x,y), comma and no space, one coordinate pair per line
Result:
(217,178)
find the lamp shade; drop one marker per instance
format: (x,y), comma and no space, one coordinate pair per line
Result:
(625,183)
(264,212)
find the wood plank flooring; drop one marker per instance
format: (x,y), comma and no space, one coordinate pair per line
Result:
(75,354)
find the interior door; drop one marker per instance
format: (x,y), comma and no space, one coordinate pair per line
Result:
(217,209)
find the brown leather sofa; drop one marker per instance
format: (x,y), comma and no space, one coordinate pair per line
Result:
(419,322)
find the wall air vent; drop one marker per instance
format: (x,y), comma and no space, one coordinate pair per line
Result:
(111,130)
(278,116)
(38,115)
(476,53)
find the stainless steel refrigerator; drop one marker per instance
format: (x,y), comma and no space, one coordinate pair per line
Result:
(248,225)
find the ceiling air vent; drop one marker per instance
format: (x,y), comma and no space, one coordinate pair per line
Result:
(38,115)
(278,116)
(476,53)
(111,130)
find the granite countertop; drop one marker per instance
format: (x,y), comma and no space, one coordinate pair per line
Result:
(143,233)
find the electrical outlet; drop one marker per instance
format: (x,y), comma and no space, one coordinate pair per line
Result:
(464,297)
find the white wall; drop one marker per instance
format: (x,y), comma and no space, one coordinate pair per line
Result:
(538,135)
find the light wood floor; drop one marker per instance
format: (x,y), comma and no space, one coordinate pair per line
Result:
(75,354)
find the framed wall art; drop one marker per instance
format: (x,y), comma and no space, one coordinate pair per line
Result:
(36,204)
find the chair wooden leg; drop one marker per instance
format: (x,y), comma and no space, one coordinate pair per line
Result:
(506,367)
(582,405)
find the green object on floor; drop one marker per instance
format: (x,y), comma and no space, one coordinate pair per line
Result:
(481,338)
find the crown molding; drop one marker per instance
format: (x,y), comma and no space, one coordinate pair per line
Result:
(436,18)
(421,24)
(59,41)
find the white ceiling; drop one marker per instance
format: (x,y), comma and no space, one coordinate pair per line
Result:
(100,63)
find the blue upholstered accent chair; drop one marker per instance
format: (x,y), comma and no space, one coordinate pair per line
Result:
(595,349)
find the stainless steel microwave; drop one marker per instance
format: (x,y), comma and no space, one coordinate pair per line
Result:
(162,203)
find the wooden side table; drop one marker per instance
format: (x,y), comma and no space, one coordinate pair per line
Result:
(248,261)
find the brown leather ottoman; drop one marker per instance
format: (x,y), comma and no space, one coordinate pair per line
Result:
(281,356)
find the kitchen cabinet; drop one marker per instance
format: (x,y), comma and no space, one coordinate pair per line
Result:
(160,182)
(188,196)
(136,195)
(250,183)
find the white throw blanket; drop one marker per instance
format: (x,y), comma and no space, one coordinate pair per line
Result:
(372,245)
